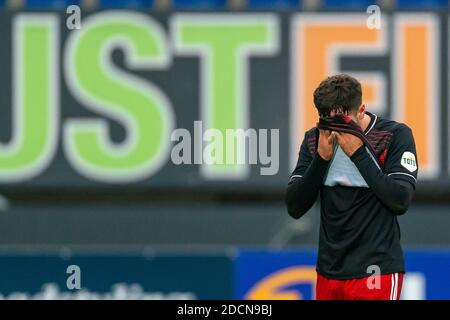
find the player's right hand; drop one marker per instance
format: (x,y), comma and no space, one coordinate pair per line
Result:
(326,143)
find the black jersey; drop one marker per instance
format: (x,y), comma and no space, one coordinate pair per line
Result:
(359,199)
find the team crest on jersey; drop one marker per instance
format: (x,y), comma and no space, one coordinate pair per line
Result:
(409,161)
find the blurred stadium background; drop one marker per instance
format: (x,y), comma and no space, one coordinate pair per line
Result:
(139,226)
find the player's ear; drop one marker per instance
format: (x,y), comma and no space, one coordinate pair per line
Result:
(361,111)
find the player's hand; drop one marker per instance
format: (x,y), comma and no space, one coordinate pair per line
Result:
(348,142)
(325,145)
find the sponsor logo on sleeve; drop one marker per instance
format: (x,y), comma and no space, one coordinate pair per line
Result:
(409,161)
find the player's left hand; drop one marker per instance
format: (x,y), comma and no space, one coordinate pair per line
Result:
(348,142)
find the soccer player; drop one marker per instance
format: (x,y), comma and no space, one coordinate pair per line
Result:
(365,175)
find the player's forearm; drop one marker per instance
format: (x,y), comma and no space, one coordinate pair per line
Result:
(302,191)
(394,194)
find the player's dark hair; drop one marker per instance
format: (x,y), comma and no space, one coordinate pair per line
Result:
(341,93)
